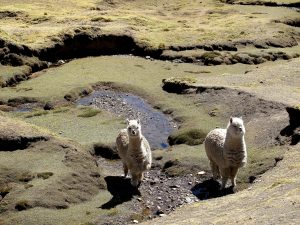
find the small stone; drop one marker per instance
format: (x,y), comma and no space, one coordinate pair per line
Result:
(139,199)
(201,173)
(190,183)
(61,62)
(135,221)
(162,215)
(60,132)
(158,207)
(148,57)
(158,198)
(188,200)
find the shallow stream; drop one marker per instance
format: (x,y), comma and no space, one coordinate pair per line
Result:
(156,126)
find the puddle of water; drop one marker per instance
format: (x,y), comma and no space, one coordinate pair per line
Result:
(26,107)
(156,126)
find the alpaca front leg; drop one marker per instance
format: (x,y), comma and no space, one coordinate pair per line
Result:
(215,170)
(140,178)
(233,173)
(225,176)
(125,168)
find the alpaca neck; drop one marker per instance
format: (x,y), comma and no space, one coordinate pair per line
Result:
(234,142)
(135,141)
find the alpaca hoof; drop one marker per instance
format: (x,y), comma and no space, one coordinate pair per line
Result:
(134,183)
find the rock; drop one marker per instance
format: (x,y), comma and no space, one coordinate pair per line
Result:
(162,215)
(201,173)
(135,221)
(188,200)
(148,57)
(48,106)
(60,62)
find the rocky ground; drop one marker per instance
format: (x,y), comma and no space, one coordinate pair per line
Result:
(216,59)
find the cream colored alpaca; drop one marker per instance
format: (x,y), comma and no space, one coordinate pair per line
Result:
(134,151)
(226,150)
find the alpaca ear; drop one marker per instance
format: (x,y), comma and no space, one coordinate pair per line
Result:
(231,119)
(127,121)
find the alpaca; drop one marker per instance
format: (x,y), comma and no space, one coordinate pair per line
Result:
(134,151)
(226,150)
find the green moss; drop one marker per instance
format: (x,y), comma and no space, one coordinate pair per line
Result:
(37,113)
(210,55)
(77,92)
(89,112)
(189,137)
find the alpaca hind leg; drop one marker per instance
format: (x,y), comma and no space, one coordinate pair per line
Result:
(233,173)
(225,176)
(215,170)
(140,178)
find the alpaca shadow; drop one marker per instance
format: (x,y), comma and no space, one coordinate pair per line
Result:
(210,189)
(121,190)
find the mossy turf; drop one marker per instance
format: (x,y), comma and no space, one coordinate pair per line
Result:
(144,80)
(82,124)
(9,72)
(154,23)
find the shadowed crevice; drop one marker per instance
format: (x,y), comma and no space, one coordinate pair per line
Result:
(19,143)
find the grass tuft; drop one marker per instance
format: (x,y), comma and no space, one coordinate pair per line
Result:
(37,113)
(89,112)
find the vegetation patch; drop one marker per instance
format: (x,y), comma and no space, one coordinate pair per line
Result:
(187,136)
(178,84)
(37,113)
(89,112)
(78,92)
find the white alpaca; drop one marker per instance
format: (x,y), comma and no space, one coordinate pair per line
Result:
(226,150)
(134,151)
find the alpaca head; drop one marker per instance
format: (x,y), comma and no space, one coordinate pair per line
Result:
(236,127)
(134,128)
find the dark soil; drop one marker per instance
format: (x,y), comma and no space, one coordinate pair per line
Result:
(158,195)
